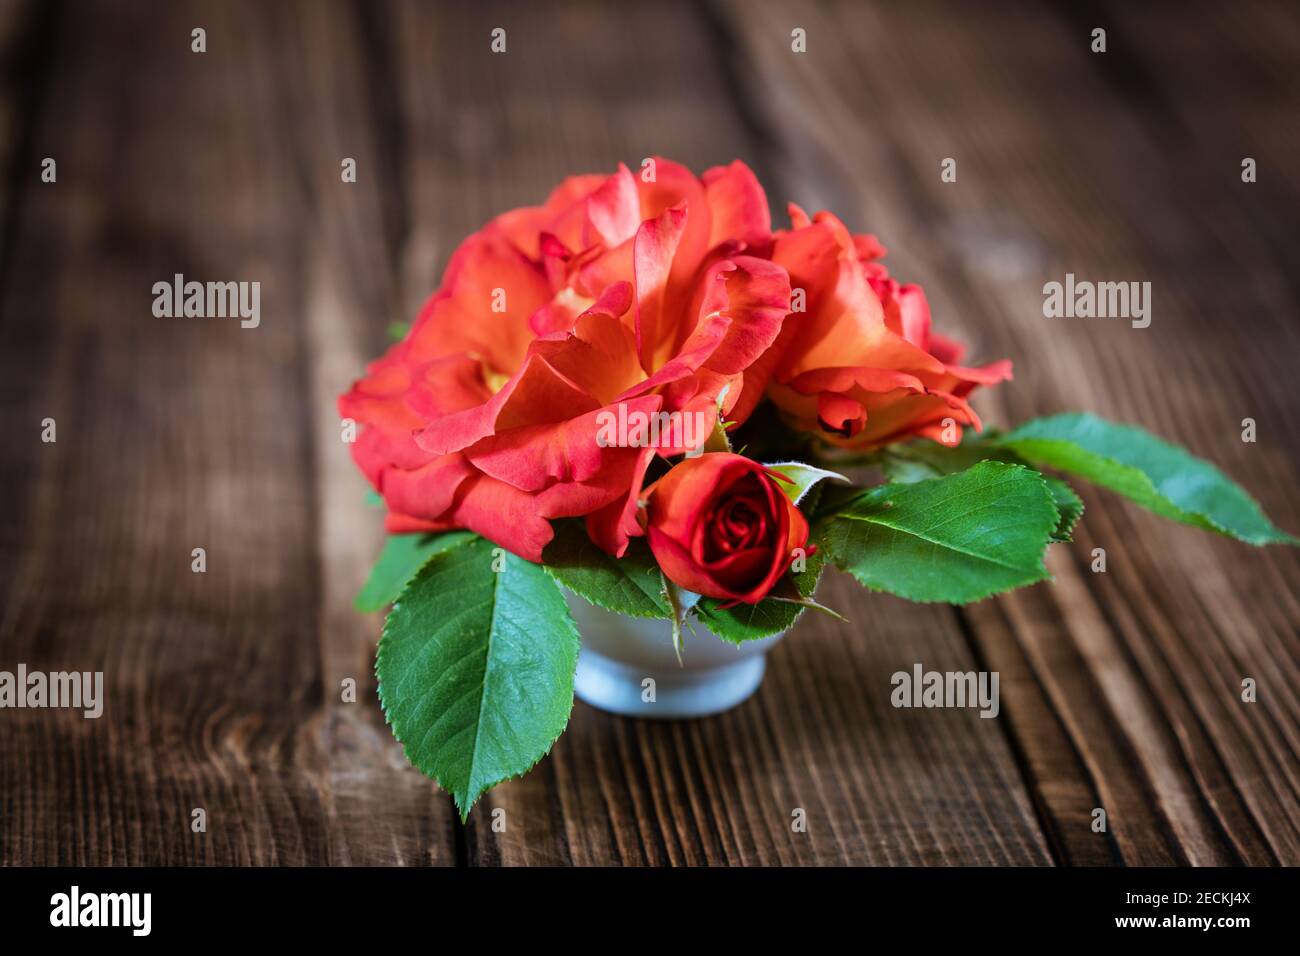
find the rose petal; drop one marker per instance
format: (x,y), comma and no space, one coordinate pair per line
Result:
(737,206)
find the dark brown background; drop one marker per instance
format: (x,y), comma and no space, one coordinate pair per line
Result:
(1119,690)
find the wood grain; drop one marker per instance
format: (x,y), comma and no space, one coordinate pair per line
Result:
(223,688)
(1071,168)
(1119,690)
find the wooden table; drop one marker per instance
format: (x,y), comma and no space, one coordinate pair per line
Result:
(1120,690)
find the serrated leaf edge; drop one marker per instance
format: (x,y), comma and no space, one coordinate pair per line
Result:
(1044,576)
(594,603)
(1202,520)
(368,609)
(462,811)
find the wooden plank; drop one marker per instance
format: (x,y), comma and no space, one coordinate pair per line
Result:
(1253,228)
(222,688)
(22,56)
(332,75)
(24,76)
(1058,172)
(582,87)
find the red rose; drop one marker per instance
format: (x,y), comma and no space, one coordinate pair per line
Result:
(621,293)
(721,526)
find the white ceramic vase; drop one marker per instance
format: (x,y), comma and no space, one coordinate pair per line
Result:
(619,654)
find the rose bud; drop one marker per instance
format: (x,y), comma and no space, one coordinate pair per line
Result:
(721,526)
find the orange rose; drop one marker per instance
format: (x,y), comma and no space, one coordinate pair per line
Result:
(617,293)
(860,367)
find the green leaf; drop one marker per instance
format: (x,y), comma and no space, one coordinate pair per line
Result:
(375,499)
(630,585)
(403,555)
(476,668)
(802,478)
(1155,474)
(1069,508)
(748,622)
(922,460)
(959,538)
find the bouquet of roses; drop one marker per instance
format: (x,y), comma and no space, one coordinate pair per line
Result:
(640,393)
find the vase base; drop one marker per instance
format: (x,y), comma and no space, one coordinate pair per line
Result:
(620,689)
